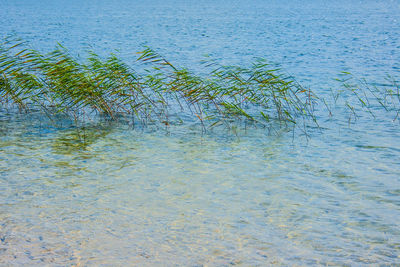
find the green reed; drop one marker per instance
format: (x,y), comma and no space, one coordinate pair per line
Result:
(57,82)
(369,96)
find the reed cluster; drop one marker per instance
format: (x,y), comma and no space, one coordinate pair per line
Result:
(359,94)
(57,82)
(159,92)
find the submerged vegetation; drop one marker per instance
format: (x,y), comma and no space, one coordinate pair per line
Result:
(160,92)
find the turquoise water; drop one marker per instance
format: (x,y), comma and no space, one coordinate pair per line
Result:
(114,194)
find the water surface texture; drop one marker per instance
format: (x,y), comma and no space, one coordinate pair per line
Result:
(113,195)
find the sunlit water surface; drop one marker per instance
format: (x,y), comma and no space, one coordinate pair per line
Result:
(114,194)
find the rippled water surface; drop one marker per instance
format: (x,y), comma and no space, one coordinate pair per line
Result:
(113,194)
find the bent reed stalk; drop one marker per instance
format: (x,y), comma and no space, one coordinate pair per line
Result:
(56,82)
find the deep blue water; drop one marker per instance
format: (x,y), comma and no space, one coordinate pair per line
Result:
(131,197)
(314,40)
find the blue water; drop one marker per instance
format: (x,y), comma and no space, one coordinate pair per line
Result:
(313,40)
(128,196)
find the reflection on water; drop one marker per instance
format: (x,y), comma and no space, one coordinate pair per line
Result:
(110,194)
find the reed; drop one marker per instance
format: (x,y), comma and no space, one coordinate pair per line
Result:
(369,96)
(57,82)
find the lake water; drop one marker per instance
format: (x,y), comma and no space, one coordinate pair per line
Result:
(110,194)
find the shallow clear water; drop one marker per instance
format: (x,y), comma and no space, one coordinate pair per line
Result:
(108,194)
